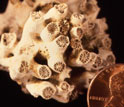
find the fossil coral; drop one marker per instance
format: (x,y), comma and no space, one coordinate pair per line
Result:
(56,48)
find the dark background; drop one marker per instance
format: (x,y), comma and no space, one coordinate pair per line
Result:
(10,92)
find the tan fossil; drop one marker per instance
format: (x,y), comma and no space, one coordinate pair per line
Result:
(49,47)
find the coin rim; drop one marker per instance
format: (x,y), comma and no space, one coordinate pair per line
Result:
(97,74)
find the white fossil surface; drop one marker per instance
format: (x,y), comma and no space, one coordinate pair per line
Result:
(54,48)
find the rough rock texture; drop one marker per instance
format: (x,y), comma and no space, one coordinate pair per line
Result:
(54,48)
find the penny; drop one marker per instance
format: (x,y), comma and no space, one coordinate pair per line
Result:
(107,88)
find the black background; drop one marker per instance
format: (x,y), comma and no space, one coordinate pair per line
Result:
(10,92)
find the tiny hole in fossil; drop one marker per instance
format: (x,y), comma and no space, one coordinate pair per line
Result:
(38,8)
(40,59)
(21,0)
(6,30)
(10,55)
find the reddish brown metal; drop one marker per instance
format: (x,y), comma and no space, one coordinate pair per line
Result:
(107,88)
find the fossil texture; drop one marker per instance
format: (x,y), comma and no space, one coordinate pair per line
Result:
(54,48)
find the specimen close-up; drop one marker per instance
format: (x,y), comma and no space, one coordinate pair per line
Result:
(53,48)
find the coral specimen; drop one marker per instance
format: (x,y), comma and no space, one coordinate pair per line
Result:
(54,51)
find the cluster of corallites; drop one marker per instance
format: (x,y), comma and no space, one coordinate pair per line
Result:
(55,41)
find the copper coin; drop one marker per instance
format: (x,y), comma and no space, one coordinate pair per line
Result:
(107,88)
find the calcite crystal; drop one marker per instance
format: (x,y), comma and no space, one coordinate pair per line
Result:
(55,48)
